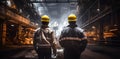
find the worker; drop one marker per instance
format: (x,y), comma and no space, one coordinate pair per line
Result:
(44,39)
(72,39)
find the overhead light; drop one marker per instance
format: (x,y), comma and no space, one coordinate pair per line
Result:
(9,3)
(98,9)
(115,25)
(93,27)
(12,25)
(113,29)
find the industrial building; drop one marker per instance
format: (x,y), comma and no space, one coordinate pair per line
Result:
(99,20)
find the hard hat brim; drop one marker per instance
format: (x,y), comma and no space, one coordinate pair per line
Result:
(44,21)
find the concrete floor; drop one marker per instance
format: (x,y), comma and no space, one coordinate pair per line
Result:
(91,52)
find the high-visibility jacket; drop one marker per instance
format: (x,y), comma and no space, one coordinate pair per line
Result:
(72,37)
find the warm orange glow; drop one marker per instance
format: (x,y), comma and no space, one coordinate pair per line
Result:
(108,34)
(17,17)
(94,39)
(13,6)
(28,41)
(89,34)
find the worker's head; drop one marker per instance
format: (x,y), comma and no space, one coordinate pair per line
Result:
(72,18)
(45,19)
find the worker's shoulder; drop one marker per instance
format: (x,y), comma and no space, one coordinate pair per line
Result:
(37,30)
(78,29)
(50,29)
(66,28)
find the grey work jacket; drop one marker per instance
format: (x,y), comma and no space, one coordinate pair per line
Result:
(42,42)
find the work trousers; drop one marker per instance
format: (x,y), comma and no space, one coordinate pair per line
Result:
(71,54)
(44,53)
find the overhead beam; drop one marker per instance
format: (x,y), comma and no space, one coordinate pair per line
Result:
(56,1)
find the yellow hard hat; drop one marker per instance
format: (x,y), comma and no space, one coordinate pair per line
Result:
(45,18)
(71,17)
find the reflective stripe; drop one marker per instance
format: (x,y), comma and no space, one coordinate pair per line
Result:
(71,38)
(44,45)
